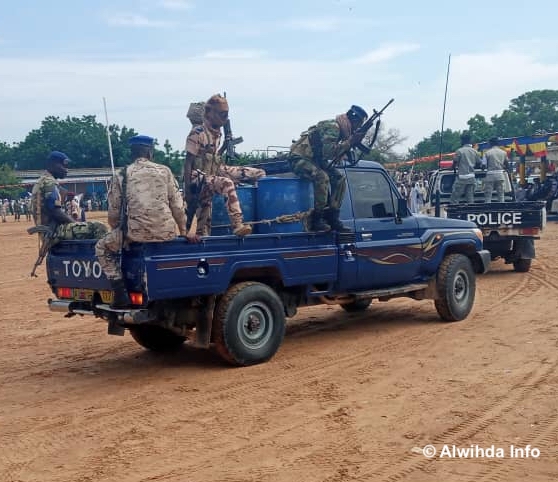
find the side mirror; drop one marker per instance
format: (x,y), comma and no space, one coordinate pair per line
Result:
(402,209)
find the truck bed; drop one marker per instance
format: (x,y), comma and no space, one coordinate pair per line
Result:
(175,269)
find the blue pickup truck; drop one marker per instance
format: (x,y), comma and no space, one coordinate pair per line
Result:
(234,294)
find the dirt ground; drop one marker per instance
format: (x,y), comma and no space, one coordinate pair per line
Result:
(347,397)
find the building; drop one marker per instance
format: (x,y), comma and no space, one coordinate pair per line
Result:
(92,183)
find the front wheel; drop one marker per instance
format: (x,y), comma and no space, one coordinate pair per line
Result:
(522,265)
(249,324)
(456,286)
(156,338)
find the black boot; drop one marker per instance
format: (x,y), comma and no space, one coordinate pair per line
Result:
(332,217)
(318,222)
(121,298)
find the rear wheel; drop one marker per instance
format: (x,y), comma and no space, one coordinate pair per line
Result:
(522,265)
(456,286)
(249,324)
(357,305)
(156,338)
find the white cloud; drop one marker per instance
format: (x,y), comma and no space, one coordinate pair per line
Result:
(325,24)
(130,20)
(232,54)
(176,5)
(386,52)
(271,101)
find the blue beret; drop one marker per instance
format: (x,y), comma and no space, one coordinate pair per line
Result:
(142,141)
(57,156)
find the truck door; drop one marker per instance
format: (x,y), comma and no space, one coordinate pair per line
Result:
(387,248)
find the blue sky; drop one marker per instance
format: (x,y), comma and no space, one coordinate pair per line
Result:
(285,65)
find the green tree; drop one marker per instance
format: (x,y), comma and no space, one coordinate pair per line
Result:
(531,112)
(430,146)
(9,182)
(480,129)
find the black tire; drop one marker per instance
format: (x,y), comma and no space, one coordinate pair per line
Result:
(156,338)
(456,287)
(522,265)
(357,305)
(249,324)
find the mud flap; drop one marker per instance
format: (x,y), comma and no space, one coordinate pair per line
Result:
(524,248)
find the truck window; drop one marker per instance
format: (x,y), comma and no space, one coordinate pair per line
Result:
(372,194)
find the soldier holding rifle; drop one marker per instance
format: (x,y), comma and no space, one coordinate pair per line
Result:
(206,173)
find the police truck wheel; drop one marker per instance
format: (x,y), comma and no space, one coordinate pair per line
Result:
(522,265)
(357,305)
(156,338)
(456,286)
(249,324)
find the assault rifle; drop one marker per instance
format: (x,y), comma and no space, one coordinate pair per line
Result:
(230,142)
(47,241)
(361,132)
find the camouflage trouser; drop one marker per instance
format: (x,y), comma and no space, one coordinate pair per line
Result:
(86,230)
(323,180)
(106,250)
(223,183)
(463,186)
(491,183)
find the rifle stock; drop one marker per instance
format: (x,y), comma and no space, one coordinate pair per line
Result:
(46,242)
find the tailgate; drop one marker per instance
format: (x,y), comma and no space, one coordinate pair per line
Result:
(518,218)
(73,264)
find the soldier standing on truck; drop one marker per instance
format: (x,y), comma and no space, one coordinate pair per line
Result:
(314,156)
(496,163)
(144,205)
(206,174)
(464,162)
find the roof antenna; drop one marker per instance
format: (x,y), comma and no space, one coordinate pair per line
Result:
(108,137)
(444,113)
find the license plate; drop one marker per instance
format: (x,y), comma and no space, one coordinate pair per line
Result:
(87,295)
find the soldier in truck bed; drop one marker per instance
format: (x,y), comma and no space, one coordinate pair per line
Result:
(464,162)
(313,157)
(496,163)
(206,174)
(46,203)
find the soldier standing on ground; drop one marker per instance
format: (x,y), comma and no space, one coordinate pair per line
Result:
(496,163)
(153,210)
(313,157)
(464,162)
(206,174)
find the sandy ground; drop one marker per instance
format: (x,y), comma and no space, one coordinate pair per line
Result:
(347,397)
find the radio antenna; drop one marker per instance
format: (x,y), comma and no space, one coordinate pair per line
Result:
(108,137)
(444,113)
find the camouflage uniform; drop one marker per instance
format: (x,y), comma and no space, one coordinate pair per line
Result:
(45,198)
(312,155)
(211,176)
(154,209)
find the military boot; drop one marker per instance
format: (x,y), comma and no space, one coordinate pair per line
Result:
(332,217)
(238,226)
(121,298)
(318,222)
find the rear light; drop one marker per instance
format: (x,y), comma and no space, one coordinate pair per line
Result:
(136,298)
(529,231)
(64,292)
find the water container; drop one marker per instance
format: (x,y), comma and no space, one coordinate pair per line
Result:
(277,196)
(220,222)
